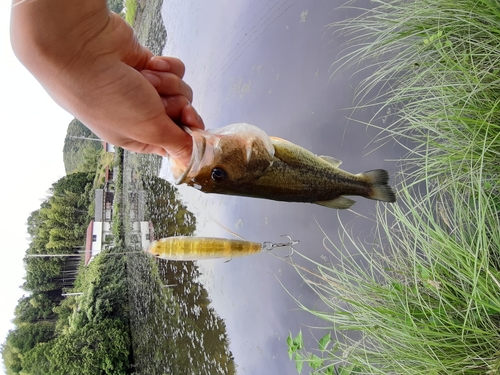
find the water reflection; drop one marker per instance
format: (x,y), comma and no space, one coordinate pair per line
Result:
(267,63)
(174,328)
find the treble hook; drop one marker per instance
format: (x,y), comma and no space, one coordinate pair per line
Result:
(268,246)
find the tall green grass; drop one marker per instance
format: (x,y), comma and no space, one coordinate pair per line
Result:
(424,298)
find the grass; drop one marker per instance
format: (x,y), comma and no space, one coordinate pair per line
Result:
(423,298)
(117,223)
(105,159)
(131,9)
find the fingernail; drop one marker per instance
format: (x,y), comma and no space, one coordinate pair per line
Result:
(160,64)
(191,118)
(197,118)
(200,120)
(152,78)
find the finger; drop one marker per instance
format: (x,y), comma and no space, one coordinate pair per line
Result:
(177,143)
(168,84)
(162,132)
(182,112)
(144,148)
(174,105)
(162,137)
(191,118)
(167,64)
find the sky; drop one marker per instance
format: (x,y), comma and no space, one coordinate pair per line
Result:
(31,158)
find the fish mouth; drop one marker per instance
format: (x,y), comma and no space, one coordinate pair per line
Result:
(245,145)
(181,172)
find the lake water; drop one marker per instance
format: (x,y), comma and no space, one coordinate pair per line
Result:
(269,63)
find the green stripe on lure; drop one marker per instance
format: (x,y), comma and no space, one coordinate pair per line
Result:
(241,159)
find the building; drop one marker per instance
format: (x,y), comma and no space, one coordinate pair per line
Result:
(108,147)
(99,231)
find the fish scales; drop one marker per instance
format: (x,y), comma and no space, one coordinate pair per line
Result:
(298,175)
(199,248)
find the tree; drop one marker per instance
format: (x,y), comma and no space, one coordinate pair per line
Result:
(58,226)
(42,274)
(11,359)
(37,360)
(34,308)
(91,158)
(34,223)
(115,5)
(74,182)
(21,340)
(95,349)
(75,144)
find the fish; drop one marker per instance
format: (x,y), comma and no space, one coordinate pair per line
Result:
(241,159)
(185,248)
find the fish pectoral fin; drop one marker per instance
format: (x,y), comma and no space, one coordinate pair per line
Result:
(331,160)
(340,203)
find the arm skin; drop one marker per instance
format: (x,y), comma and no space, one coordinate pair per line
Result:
(90,62)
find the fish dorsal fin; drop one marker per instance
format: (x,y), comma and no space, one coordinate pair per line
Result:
(331,160)
(278,139)
(340,203)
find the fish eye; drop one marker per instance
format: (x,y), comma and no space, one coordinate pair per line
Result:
(218,174)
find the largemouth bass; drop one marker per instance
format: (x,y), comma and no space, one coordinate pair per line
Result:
(241,159)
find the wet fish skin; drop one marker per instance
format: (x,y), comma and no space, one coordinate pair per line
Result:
(241,159)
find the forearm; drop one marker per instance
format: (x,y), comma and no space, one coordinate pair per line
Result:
(90,62)
(65,44)
(49,38)
(54,30)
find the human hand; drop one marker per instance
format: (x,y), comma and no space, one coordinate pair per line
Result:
(163,72)
(90,62)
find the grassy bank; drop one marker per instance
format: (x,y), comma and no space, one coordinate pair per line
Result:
(118,212)
(426,300)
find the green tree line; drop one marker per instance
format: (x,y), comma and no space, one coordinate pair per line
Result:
(174,329)
(82,148)
(90,332)
(57,227)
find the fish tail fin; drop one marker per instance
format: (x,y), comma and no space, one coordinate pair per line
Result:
(380,189)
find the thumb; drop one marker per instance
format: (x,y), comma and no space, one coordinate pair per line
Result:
(172,139)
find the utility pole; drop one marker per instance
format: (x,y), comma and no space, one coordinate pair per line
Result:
(87,138)
(71,294)
(52,255)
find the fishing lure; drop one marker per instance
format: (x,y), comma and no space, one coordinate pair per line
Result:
(200,248)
